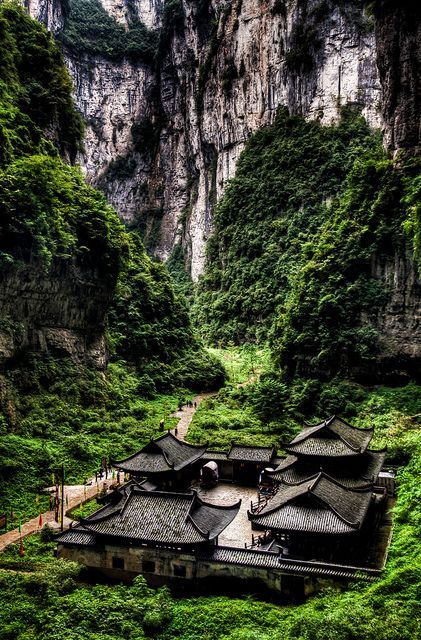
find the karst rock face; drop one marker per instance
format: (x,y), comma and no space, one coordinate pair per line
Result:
(61,310)
(221,74)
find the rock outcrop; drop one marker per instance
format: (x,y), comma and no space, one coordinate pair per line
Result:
(49,12)
(60,311)
(398,38)
(400,323)
(221,75)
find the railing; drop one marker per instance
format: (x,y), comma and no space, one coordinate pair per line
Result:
(260,540)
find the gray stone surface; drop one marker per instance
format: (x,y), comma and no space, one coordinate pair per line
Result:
(239,532)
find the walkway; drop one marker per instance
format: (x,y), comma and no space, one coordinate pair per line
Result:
(186,414)
(76,494)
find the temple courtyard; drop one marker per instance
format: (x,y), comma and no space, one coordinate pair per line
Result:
(239,532)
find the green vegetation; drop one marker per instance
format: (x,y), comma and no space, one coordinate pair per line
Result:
(38,552)
(30,62)
(52,411)
(257,406)
(48,212)
(150,327)
(91,29)
(46,209)
(293,241)
(44,603)
(65,415)
(85,510)
(176,266)
(290,259)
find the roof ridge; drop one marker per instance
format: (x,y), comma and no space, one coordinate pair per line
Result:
(252,446)
(182,442)
(167,460)
(178,494)
(352,426)
(221,507)
(118,509)
(351,446)
(290,464)
(354,525)
(266,511)
(195,499)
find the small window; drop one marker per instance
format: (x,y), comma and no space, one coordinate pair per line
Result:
(148,566)
(118,563)
(179,570)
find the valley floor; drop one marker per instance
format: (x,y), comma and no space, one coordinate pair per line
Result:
(50,599)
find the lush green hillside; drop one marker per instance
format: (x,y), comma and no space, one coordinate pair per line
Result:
(294,236)
(274,229)
(51,410)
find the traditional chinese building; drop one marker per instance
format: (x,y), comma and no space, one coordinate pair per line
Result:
(320,518)
(242,463)
(313,530)
(334,447)
(167,462)
(133,534)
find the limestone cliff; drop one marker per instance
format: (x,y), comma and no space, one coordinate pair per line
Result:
(163,139)
(221,75)
(48,12)
(398,38)
(61,311)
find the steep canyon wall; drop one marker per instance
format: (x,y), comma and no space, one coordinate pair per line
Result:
(220,76)
(163,139)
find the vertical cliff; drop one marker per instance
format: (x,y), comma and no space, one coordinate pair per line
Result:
(59,240)
(222,70)
(398,39)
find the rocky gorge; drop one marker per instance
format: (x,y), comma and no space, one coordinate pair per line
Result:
(163,134)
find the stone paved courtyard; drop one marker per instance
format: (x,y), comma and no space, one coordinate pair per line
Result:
(239,532)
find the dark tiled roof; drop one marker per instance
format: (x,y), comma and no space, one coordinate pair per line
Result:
(270,560)
(163,454)
(78,536)
(215,455)
(332,438)
(358,472)
(319,506)
(163,518)
(246,453)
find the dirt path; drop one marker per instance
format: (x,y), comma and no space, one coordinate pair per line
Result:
(74,495)
(79,493)
(186,414)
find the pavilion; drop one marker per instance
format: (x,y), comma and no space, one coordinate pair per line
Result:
(167,462)
(334,447)
(318,518)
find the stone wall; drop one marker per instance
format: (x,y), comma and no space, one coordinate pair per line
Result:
(207,575)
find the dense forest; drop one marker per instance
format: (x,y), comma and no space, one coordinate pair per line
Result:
(50,218)
(280,327)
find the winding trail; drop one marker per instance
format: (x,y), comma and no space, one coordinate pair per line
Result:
(77,494)
(74,495)
(186,414)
